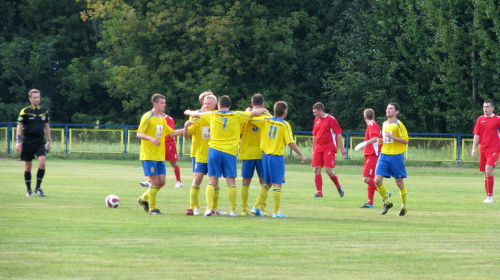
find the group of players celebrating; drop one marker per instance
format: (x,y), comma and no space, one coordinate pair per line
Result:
(259,138)
(218,136)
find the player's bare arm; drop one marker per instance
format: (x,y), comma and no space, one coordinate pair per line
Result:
(474,145)
(187,124)
(143,136)
(388,134)
(340,143)
(176,133)
(258,112)
(19,137)
(296,149)
(49,138)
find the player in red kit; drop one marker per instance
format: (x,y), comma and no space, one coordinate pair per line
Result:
(371,152)
(327,139)
(487,135)
(170,154)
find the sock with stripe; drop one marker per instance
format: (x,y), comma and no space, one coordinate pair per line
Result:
(210,193)
(318,181)
(276,200)
(27,180)
(39,177)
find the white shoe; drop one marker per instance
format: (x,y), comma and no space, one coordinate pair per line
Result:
(145,184)
(233,214)
(489,199)
(196,212)
(178,184)
(208,213)
(220,212)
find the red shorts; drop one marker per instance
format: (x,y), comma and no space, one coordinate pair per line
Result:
(171,151)
(487,158)
(369,166)
(323,159)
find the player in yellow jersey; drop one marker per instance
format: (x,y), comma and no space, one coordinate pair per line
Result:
(152,131)
(225,130)
(251,156)
(391,159)
(200,133)
(276,132)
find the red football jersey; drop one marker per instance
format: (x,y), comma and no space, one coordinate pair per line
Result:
(488,131)
(325,131)
(171,123)
(372,130)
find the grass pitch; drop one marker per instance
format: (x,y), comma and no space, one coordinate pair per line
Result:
(448,232)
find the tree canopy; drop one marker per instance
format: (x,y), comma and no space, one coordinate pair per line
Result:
(103,60)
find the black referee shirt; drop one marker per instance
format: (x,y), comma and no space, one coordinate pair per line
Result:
(33,120)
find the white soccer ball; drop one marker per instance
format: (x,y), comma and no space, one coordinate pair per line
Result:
(112,201)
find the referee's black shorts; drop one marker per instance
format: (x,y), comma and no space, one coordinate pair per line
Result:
(29,150)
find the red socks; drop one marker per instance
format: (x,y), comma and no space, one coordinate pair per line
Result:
(370,191)
(489,185)
(335,180)
(177,173)
(318,181)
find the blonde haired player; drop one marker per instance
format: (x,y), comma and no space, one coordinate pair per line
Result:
(200,135)
(225,130)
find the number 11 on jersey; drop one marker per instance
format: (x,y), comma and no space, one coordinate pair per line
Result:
(272,134)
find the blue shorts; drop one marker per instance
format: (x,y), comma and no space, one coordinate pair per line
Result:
(221,164)
(153,168)
(248,167)
(391,165)
(274,169)
(193,162)
(200,167)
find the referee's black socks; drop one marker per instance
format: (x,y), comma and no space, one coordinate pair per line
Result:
(27,180)
(39,177)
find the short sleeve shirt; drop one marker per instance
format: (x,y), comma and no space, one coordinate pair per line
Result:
(372,130)
(33,120)
(154,126)
(325,131)
(487,128)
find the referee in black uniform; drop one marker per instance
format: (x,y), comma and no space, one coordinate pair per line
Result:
(32,131)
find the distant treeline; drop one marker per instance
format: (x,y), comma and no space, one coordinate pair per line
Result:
(99,60)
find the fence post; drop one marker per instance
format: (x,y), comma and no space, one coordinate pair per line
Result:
(459,149)
(66,137)
(181,140)
(346,144)
(9,137)
(125,140)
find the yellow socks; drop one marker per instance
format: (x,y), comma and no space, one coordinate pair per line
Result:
(403,194)
(194,197)
(210,192)
(262,196)
(244,197)
(152,197)
(215,204)
(276,200)
(383,192)
(232,197)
